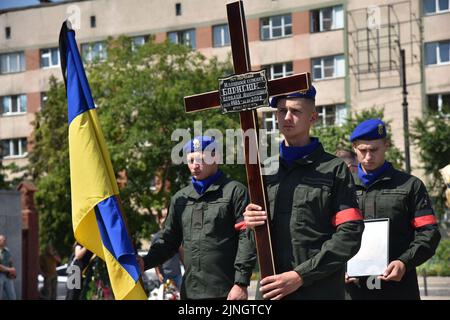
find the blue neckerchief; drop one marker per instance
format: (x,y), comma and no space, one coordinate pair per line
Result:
(202,185)
(369,178)
(290,154)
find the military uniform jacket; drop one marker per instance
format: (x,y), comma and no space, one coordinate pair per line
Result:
(413,233)
(216,256)
(315,222)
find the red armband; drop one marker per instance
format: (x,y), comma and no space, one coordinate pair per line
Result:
(346,215)
(240,226)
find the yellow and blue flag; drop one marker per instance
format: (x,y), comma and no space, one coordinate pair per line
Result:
(96,212)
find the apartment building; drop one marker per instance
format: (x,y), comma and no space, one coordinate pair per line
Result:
(352,49)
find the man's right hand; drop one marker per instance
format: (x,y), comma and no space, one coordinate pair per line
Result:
(253,216)
(12,273)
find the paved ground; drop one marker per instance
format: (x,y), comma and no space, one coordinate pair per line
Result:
(438,288)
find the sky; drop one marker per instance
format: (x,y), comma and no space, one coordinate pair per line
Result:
(4,4)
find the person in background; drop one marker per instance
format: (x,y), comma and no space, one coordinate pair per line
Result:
(171,269)
(81,259)
(349,158)
(7,272)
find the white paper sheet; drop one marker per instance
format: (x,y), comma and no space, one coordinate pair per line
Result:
(373,256)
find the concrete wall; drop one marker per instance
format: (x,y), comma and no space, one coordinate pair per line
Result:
(436,27)
(437,78)
(16,125)
(127,17)
(11,226)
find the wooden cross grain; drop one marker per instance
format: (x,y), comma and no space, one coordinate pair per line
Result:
(249,120)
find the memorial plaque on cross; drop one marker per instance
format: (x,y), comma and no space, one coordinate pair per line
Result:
(249,120)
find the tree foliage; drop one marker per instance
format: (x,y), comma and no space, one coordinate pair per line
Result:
(432,135)
(11,175)
(139,98)
(336,138)
(49,167)
(3,184)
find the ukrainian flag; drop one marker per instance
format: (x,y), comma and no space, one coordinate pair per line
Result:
(96,212)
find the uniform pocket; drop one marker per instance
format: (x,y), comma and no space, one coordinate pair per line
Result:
(218,221)
(311,202)
(310,212)
(393,204)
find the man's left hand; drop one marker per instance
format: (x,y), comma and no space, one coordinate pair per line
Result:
(394,271)
(277,286)
(238,293)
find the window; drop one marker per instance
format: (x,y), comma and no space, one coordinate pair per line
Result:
(138,41)
(13,104)
(12,148)
(94,51)
(12,62)
(279,70)
(331,115)
(186,37)
(8,32)
(178,9)
(439,103)
(435,6)
(93,22)
(328,67)
(50,58)
(437,52)
(221,35)
(327,19)
(276,27)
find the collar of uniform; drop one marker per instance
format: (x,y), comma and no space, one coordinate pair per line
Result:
(387,175)
(191,193)
(310,158)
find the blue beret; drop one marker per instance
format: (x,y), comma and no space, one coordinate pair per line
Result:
(371,129)
(309,94)
(199,143)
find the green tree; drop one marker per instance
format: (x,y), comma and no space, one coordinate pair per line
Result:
(3,184)
(140,99)
(49,167)
(19,173)
(432,135)
(334,138)
(139,96)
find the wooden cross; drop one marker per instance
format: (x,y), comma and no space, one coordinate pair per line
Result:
(249,120)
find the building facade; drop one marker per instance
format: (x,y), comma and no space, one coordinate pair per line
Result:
(352,49)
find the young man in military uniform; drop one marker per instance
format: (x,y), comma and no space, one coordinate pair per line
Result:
(384,192)
(218,257)
(315,222)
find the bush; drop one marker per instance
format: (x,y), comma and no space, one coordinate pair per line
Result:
(439,264)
